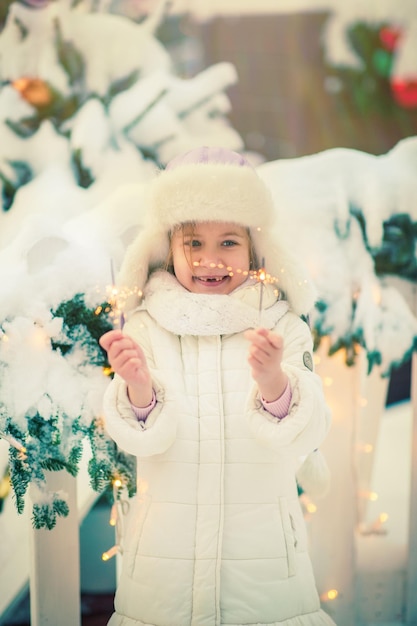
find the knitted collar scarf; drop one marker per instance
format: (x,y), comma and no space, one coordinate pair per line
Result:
(185,313)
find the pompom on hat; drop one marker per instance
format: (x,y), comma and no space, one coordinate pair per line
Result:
(213,184)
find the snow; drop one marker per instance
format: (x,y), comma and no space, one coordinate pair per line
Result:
(322,192)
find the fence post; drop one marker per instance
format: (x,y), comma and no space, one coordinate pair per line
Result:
(55,564)
(411,579)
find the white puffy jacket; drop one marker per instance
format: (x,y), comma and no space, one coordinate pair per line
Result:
(215,535)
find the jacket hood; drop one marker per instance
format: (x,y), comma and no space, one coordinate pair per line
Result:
(212,184)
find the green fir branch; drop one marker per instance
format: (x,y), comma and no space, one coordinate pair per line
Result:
(20,478)
(45,515)
(120,85)
(55,442)
(71,59)
(108,463)
(397,255)
(22,175)
(82,174)
(25,127)
(83,327)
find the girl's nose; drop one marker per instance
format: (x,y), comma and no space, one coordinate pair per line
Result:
(208,256)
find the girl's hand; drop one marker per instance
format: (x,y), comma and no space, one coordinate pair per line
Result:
(127,359)
(265,356)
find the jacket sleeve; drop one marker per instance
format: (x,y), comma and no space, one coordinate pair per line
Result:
(138,437)
(308,419)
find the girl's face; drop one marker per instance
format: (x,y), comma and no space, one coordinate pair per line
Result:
(211,257)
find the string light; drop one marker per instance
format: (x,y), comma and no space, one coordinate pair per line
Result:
(113,515)
(5,486)
(308,505)
(119,508)
(376,294)
(15,444)
(109,554)
(369,495)
(377,527)
(39,338)
(331,594)
(260,275)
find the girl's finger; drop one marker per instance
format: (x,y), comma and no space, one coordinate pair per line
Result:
(109,338)
(125,357)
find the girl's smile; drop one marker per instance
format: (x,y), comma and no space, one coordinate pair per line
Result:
(212,282)
(211,257)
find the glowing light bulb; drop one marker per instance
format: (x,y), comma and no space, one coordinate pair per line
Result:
(106,556)
(14,443)
(311,507)
(39,338)
(369,495)
(331,594)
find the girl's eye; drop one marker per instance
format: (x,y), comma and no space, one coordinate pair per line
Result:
(228,243)
(192,243)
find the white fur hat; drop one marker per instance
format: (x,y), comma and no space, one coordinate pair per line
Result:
(213,184)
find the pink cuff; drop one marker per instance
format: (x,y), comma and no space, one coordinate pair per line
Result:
(141,413)
(279,407)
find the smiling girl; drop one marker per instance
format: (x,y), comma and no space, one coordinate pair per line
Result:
(216,410)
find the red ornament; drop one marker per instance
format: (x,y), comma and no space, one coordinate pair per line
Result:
(389,36)
(405,92)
